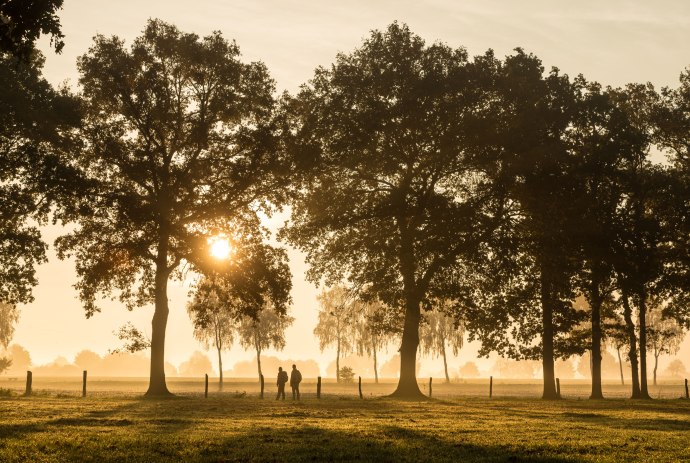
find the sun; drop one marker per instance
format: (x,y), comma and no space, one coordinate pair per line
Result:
(220,247)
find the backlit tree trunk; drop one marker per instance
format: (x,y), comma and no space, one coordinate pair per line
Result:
(644,391)
(445,362)
(596,341)
(220,370)
(376,366)
(407,384)
(157,385)
(258,362)
(620,364)
(632,339)
(337,361)
(547,338)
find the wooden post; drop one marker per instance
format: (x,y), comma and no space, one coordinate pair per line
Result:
(261,379)
(206,385)
(360,388)
(558,387)
(430,379)
(687,393)
(83,384)
(29,380)
(318,387)
(491,386)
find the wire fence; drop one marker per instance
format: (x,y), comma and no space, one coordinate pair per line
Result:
(248,387)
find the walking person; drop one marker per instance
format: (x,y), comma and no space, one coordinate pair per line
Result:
(282,379)
(295,379)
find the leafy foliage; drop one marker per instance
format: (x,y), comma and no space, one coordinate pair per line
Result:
(23,21)
(9,314)
(134,339)
(35,131)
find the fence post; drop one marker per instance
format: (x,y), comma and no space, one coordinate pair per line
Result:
(206,385)
(318,387)
(29,380)
(491,386)
(558,387)
(430,379)
(83,384)
(360,388)
(687,393)
(261,379)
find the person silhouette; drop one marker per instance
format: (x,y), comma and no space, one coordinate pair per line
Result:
(295,379)
(282,379)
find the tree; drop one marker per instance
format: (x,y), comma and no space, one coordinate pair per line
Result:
(336,322)
(347,375)
(88,360)
(564,369)
(642,262)
(213,318)
(664,334)
(198,364)
(469,370)
(176,150)
(264,331)
(438,331)
(21,360)
(5,364)
(523,280)
(676,369)
(617,337)
(398,188)
(605,140)
(23,21)
(374,329)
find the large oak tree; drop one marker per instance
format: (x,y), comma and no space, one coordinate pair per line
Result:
(402,168)
(176,149)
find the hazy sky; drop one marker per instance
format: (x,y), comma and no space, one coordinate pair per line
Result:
(613,42)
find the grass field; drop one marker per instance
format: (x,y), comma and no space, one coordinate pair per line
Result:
(113,423)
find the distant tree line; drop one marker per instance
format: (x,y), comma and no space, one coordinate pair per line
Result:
(449,194)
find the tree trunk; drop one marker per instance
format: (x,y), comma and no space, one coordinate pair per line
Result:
(258,362)
(620,364)
(337,361)
(547,339)
(445,363)
(644,390)
(632,338)
(596,301)
(376,368)
(656,364)
(407,383)
(157,385)
(220,371)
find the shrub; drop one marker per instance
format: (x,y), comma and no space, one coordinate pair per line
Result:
(347,375)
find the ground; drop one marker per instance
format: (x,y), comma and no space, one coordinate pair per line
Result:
(116,424)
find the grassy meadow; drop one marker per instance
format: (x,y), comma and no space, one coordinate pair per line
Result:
(114,423)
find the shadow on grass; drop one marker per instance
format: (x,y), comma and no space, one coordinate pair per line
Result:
(301,444)
(130,414)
